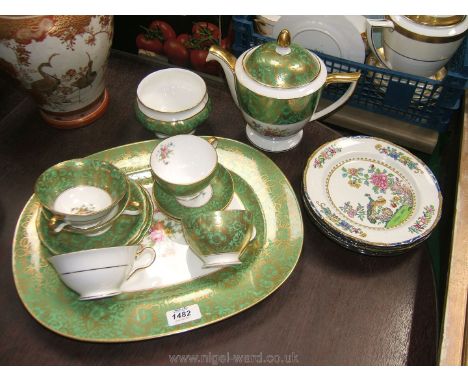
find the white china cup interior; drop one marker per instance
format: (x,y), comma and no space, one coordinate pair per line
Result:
(82,200)
(183,159)
(173,117)
(171,90)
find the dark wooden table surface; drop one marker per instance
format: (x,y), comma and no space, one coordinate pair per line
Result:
(337,308)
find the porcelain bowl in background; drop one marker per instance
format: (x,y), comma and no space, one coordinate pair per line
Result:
(98,273)
(165,127)
(184,165)
(81,191)
(219,237)
(418,45)
(172,97)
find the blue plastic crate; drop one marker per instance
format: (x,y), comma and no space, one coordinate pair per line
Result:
(417,100)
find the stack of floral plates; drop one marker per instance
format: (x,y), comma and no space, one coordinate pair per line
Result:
(371,196)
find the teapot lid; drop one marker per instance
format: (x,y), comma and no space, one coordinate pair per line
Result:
(431,29)
(437,21)
(280,64)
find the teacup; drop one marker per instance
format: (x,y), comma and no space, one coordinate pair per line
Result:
(184,165)
(99,227)
(219,237)
(172,101)
(81,191)
(418,45)
(99,273)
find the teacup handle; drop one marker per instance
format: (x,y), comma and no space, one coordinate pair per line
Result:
(136,211)
(253,235)
(137,255)
(213,141)
(56,224)
(370,25)
(339,78)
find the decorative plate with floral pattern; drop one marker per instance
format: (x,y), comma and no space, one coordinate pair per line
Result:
(372,191)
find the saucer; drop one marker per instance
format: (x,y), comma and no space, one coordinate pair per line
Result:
(221,260)
(126,230)
(338,36)
(223,191)
(199,200)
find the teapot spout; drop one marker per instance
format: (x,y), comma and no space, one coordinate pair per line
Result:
(228,63)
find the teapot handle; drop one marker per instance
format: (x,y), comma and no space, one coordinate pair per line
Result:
(335,78)
(370,25)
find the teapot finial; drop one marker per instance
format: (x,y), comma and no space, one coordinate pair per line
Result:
(284,39)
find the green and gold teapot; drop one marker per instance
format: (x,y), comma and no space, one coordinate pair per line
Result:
(277,87)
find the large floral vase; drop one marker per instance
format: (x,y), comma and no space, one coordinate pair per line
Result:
(61,61)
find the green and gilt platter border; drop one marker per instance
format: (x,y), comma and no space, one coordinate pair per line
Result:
(142,315)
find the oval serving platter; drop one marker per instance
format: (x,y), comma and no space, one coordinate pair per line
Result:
(142,315)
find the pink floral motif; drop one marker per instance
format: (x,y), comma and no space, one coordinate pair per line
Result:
(379,210)
(351,212)
(380,180)
(423,221)
(328,153)
(165,151)
(341,223)
(163,228)
(157,233)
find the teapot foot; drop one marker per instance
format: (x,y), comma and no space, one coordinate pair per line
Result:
(273,144)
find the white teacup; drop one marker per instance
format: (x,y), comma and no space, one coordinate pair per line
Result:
(98,273)
(184,165)
(419,45)
(93,228)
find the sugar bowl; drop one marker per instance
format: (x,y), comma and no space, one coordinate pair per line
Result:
(172,101)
